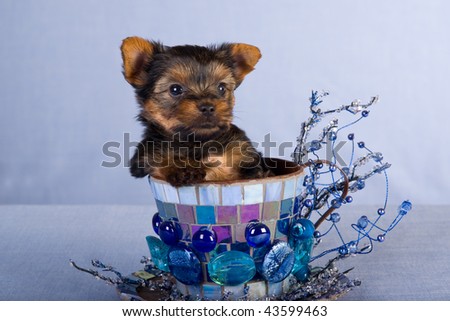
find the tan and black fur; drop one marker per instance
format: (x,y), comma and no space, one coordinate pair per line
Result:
(186,95)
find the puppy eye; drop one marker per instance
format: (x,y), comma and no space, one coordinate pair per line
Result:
(221,88)
(176,90)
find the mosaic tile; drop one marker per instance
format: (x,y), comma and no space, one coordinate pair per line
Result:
(273,191)
(171,194)
(223,233)
(159,192)
(183,288)
(212,292)
(170,210)
(271,210)
(161,210)
(185,213)
(226,214)
(205,214)
(299,185)
(256,290)
(236,292)
(286,206)
(152,186)
(249,213)
(275,289)
(209,195)
(289,189)
(195,291)
(241,247)
(297,205)
(240,233)
(186,232)
(231,195)
(253,194)
(187,195)
(282,228)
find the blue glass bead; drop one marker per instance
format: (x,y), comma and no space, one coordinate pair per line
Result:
(360,184)
(332,168)
(317,234)
(361,145)
(380,238)
(405,207)
(158,252)
(381,211)
(184,265)
(319,165)
(363,222)
(335,217)
(332,136)
(314,146)
(231,268)
(343,250)
(170,232)
(310,189)
(346,170)
(204,240)
(336,203)
(308,203)
(365,113)
(301,229)
(156,221)
(349,199)
(278,262)
(351,136)
(257,234)
(352,247)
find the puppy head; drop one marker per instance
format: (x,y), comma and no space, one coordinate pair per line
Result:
(187,89)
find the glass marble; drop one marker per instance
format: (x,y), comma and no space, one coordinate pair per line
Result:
(278,262)
(257,234)
(170,232)
(231,268)
(159,252)
(204,240)
(156,221)
(184,265)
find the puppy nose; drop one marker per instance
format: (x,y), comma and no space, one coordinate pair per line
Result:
(207,109)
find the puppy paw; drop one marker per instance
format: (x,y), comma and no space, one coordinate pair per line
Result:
(186,176)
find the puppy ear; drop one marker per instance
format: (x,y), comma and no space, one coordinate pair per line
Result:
(244,58)
(136,54)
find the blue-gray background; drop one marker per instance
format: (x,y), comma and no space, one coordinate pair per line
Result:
(62,94)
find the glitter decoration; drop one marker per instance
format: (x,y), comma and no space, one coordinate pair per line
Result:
(278,262)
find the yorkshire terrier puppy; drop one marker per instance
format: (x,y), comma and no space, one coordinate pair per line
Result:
(186,95)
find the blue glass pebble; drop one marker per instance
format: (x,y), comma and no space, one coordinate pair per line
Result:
(363,222)
(170,232)
(335,217)
(351,136)
(156,221)
(278,262)
(257,234)
(301,240)
(184,265)
(231,268)
(204,240)
(158,252)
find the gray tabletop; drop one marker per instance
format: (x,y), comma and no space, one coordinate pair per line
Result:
(37,243)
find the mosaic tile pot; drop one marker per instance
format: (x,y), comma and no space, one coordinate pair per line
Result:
(229,239)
